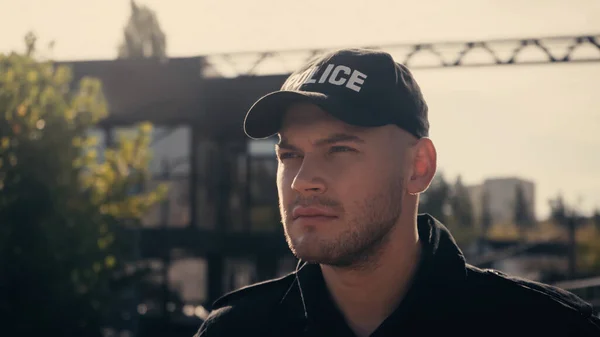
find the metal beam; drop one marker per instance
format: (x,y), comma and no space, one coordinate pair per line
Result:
(539,50)
(591,282)
(487,260)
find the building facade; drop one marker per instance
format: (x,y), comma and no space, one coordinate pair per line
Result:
(500,195)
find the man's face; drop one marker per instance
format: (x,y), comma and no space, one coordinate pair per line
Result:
(340,187)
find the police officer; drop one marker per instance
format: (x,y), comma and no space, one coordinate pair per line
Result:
(353,157)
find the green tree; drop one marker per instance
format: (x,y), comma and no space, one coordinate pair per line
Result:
(486,213)
(523,216)
(558,209)
(63,212)
(460,201)
(143,37)
(568,218)
(461,221)
(435,200)
(596,218)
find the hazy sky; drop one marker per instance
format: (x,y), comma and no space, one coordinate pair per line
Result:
(536,122)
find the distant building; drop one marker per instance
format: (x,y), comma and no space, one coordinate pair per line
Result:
(501,193)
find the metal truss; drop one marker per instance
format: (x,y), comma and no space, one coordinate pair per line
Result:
(543,50)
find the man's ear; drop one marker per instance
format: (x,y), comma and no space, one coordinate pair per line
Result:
(424,166)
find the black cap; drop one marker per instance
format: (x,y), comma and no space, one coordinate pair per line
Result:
(358,86)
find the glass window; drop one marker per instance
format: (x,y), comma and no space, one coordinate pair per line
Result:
(238,273)
(242,176)
(286,265)
(263,181)
(262,147)
(171,145)
(263,204)
(189,277)
(169,165)
(207,152)
(175,209)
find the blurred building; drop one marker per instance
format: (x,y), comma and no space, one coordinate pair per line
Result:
(219,228)
(502,198)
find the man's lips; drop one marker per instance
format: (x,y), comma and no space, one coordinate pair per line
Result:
(312,212)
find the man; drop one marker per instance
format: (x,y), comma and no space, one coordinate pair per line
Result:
(353,157)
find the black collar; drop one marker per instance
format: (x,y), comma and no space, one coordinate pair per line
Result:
(442,266)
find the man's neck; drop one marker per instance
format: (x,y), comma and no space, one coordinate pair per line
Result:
(367,296)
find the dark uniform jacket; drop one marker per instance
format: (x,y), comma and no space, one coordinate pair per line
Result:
(447,298)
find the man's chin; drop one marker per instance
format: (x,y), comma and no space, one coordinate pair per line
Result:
(306,254)
(312,249)
(323,255)
(324,260)
(313,255)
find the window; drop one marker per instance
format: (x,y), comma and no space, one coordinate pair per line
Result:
(286,265)
(238,273)
(263,203)
(188,276)
(208,166)
(171,146)
(262,147)
(174,211)
(169,165)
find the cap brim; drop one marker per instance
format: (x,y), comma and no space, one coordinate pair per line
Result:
(264,118)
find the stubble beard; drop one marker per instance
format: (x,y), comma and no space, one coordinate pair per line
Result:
(366,230)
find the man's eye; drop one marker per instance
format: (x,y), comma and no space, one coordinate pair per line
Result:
(341,149)
(287,155)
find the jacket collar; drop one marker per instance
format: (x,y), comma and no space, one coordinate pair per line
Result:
(442,264)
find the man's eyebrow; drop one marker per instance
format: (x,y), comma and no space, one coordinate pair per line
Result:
(338,138)
(332,139)
(284,144)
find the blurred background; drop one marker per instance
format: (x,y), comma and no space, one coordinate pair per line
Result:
(130,198)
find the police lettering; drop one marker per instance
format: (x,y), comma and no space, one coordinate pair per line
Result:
(340,75)
(336,75)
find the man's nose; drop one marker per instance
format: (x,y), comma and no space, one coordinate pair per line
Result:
(308,179)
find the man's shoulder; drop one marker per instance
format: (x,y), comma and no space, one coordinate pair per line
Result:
(521,296)
(245,307)
(269,289)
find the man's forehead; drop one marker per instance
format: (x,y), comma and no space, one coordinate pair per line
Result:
(303,120)
(329,138)
(389,134)
(321,129)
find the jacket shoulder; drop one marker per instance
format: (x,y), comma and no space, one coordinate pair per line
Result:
(246,308)
(540,298)
(264,289)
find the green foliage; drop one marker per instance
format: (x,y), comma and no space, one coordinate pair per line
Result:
(435,200)
(558,210)
(62,210)
(486,212)
(522,213)
(452,206)
(588,249)
(582,231)
(596,218)
(462,209)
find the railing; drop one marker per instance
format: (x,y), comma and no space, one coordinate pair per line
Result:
(541,50)
(588,289)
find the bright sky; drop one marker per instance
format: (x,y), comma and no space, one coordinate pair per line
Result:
(535,122)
